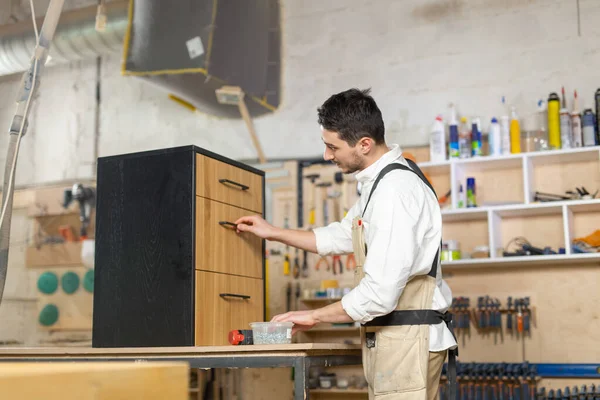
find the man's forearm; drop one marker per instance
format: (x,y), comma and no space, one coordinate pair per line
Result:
(301,239)
(333,313)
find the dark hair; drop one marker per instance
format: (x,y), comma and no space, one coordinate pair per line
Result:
(353,114)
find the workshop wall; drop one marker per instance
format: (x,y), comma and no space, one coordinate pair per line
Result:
(416,55)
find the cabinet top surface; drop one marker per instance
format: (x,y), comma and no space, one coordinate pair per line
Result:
(283,350)
(183,149)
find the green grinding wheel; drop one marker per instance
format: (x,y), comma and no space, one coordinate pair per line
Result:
(47,282)
(88,281)
(70,282)
(48,315)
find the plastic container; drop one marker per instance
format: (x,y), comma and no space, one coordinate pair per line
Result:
(495,140)
(437,141)
(272,332)
(471,196)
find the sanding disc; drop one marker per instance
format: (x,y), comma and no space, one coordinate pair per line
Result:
(47,282)
(70,282)
(88,281)
(48,315)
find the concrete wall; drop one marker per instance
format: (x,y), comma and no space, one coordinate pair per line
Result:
(417,55)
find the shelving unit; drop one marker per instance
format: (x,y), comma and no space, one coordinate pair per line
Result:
(505,193)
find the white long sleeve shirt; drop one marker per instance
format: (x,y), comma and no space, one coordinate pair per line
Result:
(403,228)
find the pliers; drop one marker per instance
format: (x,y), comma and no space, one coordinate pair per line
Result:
(337,260)
(350,262)
(323,259)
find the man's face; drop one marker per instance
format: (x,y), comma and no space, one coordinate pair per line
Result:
(347,158)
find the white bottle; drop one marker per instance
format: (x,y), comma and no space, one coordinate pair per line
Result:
(437,141)
(494,138)
(505,134)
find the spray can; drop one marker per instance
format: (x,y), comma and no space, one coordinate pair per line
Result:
(505,134)
(589,131)
(453,128)
(565,124)
(554,121)
(464,139)
(565,129)
(515,132)
(437,141)
(494,138)
(576,128)
(471,200)
(461,203)
(475,139)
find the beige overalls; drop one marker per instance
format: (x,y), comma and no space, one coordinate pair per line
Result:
(398,365)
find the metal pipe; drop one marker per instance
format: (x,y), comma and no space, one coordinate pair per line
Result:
(75,38)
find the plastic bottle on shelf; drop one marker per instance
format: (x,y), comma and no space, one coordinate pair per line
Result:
(471,199)
(464,139)
(454,151)
(462,199)
(494,139)
(437,141)
(515,132)
(505,134)
(542,135)
(589,132)
(576,123)
(475,138)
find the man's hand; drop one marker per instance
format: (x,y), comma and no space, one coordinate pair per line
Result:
(303,320)
(256,225)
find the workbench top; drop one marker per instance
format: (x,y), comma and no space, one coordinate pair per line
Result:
(308,349)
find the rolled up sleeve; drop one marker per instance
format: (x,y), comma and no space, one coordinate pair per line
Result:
(336,238)
(392,242)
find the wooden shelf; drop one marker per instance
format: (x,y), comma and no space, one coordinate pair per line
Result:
(520,210)
(514,160)
(548,260)
(49,255)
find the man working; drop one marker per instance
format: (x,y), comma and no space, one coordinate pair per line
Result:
(395,232)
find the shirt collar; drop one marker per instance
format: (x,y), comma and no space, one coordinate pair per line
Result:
(373,170)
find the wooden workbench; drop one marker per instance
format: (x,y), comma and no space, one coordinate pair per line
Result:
(300,356)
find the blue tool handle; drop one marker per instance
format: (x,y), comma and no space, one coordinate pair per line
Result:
(526,319)
(478,392)
(526,395)
(509,321)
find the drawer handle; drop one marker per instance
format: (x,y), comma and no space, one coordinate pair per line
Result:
(227,223)
(243,187)
(240,296)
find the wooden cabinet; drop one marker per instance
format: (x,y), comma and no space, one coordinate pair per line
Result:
(170,269)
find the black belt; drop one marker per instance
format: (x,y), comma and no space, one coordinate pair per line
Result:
(421,317)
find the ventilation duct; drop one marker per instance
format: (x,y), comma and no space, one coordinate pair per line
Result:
(75,39)
(194,47)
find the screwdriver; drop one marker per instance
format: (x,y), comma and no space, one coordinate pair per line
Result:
(509,324)
(519,304)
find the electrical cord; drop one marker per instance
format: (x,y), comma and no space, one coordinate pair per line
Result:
(31,91)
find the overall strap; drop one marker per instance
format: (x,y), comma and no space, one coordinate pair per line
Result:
(416,170)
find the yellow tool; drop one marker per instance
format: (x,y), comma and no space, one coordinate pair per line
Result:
(312,199)
(286,265)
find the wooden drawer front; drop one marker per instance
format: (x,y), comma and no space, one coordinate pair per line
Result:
(223,182)
(224,303)
(219,248)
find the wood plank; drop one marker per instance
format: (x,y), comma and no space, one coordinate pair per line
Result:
(219,248)
(50,255)
(225,351)
(209,172)
(91,381)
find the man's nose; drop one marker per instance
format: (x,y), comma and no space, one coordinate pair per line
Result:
(327,155)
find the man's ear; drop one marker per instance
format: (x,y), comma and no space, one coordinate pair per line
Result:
(365,145)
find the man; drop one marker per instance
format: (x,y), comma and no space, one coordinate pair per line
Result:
(395,232)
